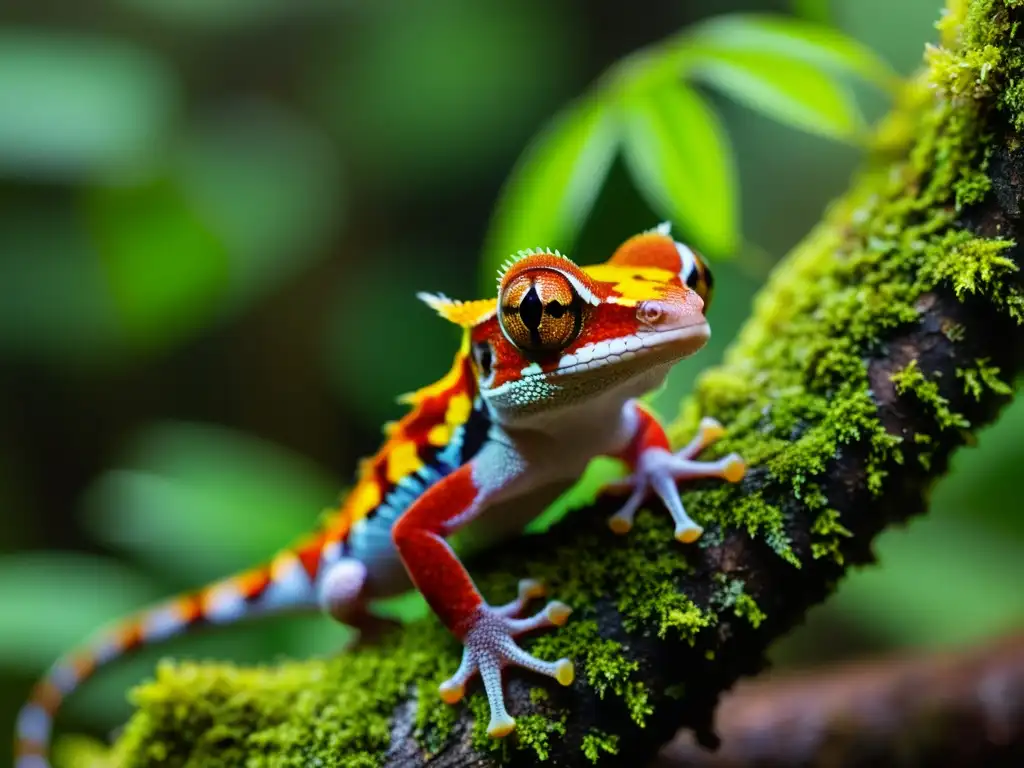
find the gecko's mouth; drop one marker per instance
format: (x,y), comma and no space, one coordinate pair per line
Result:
(619,360)
(668,345)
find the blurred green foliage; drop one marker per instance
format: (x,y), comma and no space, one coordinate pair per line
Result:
(214,215)
(675,147)
(74,107)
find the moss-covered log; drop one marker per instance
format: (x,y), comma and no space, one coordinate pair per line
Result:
(888,335)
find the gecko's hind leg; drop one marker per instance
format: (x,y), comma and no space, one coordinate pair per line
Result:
(343,597)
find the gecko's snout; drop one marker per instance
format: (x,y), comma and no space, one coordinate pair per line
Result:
(675,310)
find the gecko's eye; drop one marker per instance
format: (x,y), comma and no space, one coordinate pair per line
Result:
(540,311)
(483,356)
(697,274)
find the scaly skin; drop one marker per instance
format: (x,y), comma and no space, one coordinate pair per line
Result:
(545,379)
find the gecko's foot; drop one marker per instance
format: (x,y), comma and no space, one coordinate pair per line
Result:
(659,471)
(490,645)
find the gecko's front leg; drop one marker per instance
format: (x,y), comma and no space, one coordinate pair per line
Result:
(656,468)
(487,632)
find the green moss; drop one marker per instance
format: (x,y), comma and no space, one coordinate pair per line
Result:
(533,733)
(983,377)
(537,695)
(752,513)
(793,391)
(973,265)
(911,380)
(602,662)
(434,719)
(335,711)
(829,534)
(596,743)
(731,595)
(499,749)
(83,752)
(747,609)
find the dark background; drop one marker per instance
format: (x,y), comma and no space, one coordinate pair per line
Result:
(214,215)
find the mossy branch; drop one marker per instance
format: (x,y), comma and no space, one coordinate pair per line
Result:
(877,346)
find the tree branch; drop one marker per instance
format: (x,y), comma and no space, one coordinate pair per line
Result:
(949,708)
(874,350)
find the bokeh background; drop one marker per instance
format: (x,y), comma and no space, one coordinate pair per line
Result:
(214,215)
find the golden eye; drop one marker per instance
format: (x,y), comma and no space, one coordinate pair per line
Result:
(540,311)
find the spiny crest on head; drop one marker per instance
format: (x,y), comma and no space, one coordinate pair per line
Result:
(665,228)
(520,255)
(463,313)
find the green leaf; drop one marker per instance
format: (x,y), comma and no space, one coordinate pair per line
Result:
(679,156)
(51,601)
(230,14)
(788,90)
(166,270)
(73,107)
(200,501)
(815,10)
(784,37)
(268,186)
(553,186)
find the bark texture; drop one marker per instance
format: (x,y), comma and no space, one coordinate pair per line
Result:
(944,709)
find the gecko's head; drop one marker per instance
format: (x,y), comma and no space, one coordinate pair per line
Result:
(561,335)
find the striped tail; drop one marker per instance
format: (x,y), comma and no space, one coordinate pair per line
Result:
(287,584)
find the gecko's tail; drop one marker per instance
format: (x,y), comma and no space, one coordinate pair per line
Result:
(286,584)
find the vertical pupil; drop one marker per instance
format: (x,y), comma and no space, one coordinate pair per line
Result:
(531,309)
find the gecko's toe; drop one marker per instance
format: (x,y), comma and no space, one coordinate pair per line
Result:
(557,613)
(531,588)
(620,524)
(659,472)
(500,727)
(688,533)
(451,692)
(565,672)
(733,468)
(710,430)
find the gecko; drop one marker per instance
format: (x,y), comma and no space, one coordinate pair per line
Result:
(547,375)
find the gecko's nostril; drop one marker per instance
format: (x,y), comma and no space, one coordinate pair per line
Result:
(669,313)
(649,313)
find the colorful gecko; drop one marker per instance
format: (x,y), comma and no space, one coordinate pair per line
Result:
(544,380)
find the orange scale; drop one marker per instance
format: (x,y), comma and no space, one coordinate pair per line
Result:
(130,635)
(84,664)
(47,696)
(252,582)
